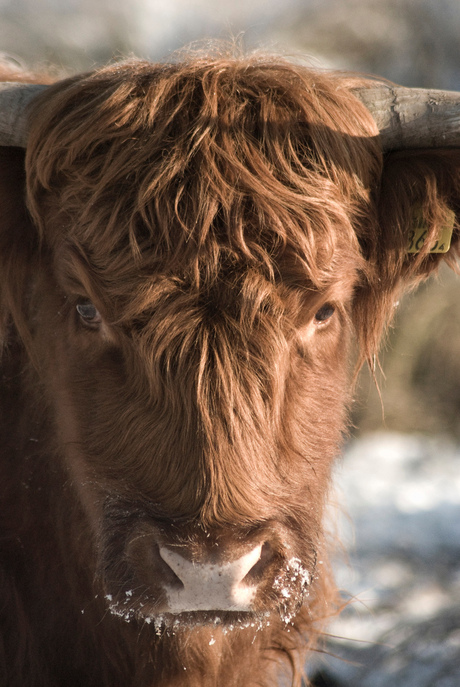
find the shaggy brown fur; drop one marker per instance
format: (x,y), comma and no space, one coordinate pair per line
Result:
(209,208)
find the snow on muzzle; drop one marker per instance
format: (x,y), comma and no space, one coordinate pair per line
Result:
(213,586)
(151,572)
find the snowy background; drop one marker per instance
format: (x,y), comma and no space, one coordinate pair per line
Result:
(400,525)
(400,488)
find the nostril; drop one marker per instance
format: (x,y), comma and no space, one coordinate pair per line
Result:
(258,570)
(169,575)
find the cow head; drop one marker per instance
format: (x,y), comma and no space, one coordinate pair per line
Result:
(202,240)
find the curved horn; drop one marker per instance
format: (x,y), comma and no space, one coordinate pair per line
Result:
(413,117)
(14,99)
(405,117)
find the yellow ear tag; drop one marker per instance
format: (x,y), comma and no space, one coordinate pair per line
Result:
(419,231)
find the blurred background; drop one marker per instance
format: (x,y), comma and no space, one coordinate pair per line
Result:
(400,477)
(413,42)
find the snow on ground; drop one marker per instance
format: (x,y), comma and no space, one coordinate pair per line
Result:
(401,494)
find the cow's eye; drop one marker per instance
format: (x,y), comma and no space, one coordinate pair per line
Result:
(324,313)
(89,314)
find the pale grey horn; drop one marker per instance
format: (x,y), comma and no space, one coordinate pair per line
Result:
(14,99)
(405,117)
(413,117)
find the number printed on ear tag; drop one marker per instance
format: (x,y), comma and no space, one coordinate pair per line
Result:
(419,232)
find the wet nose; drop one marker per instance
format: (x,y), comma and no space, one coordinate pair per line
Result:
(212,586)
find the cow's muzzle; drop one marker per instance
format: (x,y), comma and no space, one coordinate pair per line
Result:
(154,574)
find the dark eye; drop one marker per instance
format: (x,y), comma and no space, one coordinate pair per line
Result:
(89,313)
(324,313)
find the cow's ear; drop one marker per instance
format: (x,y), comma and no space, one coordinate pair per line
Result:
(18,239)
(417,228)
(419,212)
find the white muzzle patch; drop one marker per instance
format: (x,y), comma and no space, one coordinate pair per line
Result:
(211,587)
